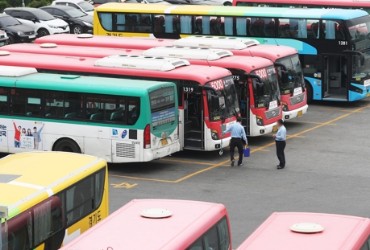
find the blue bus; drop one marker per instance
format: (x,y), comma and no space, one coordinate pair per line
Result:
(333,43)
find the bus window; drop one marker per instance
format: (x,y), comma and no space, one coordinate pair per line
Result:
(186,24)
(329,29)
(79,200)
(242,24)
(366,245)
(133,110)
(289,28)
(262,27)
(313,29)
(4,107)
(106,21)
(216,238)
(54,105)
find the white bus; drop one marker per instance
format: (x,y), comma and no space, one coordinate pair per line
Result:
(119,120)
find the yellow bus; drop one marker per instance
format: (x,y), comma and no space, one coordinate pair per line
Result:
(49,198)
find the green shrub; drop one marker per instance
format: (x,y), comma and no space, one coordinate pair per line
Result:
(38,3)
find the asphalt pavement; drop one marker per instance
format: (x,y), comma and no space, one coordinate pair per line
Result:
(327,171)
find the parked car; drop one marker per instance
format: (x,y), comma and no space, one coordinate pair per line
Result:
(78,21)
(82,5)
(16,31)
(45,24)
(4,39)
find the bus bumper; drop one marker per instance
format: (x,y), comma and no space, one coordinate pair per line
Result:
(291,114)
(262,130)
(163,151)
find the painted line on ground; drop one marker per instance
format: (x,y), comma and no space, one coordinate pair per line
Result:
(258,149)
(187,162)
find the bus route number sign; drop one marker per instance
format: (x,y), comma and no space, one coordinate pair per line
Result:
(217,85)
(94,218)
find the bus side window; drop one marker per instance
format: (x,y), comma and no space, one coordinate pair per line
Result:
(4,104)
(54,105)
(223,234)
(242,26)
(106,20)
(133,110)
(186,24)
(313,29)
(328,28)
(20,232)
(159,25)
(120,24)
(258,27)
(82,198)
(72,106)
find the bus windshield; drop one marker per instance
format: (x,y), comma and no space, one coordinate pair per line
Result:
(359,29)
(290,75)
(266,91)
(222,99)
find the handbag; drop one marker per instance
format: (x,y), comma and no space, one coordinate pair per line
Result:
(246,152)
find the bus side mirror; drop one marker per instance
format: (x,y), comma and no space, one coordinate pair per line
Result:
(280,65)
(258,78)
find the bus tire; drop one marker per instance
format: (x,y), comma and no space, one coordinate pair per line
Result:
(309,92)
(66,145)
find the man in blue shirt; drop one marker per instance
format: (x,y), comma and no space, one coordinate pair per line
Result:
(280,138)
(238,138)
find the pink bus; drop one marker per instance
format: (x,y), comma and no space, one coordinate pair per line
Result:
(291,82)
(259,99)
(159,224)
(203,111)
(311,231)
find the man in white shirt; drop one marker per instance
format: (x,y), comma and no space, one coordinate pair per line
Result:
(280,141)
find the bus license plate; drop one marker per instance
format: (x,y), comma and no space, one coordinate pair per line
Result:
(274,129)
(300,113)
(164,142)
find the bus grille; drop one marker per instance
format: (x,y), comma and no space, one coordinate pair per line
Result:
(272,113)
(125,150)
(296,99)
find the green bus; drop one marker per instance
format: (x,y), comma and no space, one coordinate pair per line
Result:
(119,120)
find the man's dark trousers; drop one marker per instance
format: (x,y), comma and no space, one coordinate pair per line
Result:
(236,142)
(280,146)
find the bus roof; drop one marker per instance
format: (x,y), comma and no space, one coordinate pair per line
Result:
(65,50)
(127,228)
(271,52)
(129,44)
(28,178)
(339,232)
(103,41)
(76,83)
(321,3)
(87,65)
(246,63)
(316,13)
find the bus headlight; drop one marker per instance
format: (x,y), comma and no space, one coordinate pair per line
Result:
(214,135)
(259,121)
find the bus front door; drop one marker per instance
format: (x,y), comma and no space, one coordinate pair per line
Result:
(335,84)
(193,120)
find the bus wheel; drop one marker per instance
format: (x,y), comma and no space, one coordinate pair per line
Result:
(309,92)
(66,145)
